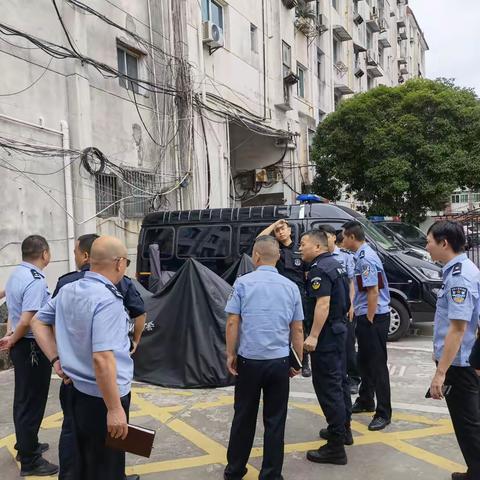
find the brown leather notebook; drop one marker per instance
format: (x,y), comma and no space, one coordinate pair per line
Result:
(360,286)
(138,441)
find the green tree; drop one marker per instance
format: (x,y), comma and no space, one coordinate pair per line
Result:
(402,150)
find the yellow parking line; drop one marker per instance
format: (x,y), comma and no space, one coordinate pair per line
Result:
(426,456)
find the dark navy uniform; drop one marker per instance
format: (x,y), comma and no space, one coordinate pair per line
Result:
(328,278)
(293,267)
(135,306)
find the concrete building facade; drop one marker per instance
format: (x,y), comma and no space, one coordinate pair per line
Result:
(187,103)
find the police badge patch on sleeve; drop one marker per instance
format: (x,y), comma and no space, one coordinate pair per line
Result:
(459,294)
(315,283)
(297,262)
(366,270)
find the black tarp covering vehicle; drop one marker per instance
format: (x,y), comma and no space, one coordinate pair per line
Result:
(183,345)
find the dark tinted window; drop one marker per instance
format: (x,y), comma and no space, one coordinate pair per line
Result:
(163,237)
(204,242)
(408,232)
(247,237)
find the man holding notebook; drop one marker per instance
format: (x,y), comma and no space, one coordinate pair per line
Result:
(91,332)
(265,315)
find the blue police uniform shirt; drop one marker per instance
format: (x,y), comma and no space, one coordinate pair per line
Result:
(267,303)
(368,267)
(89,316)
(26,291)
(131,298)
(458,299)
(345,258)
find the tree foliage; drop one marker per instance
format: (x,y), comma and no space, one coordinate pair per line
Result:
(402,150)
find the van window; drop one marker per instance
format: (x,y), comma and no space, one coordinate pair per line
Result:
(163,237)
(204,242)
(248,234)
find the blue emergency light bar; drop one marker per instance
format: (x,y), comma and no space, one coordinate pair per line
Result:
(311,198)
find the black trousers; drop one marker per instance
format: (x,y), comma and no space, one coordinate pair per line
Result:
(372,363)
(330,383)
(94,461)
(255,376)
(32,381)
(66,446)
(351,353)
(464,408)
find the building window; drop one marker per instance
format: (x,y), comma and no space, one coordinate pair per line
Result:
(320,63)
(107,195)
(286,59)
(476,197)
(460,198)
(381,56)
(336,4)
(336,51)
(253,38)
(369,39)
(212,11)
(301,74)
(138,189)
(127,65)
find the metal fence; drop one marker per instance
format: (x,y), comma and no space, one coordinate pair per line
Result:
(471,226)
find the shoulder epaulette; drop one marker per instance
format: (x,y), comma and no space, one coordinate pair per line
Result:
(457,269)
(35,274)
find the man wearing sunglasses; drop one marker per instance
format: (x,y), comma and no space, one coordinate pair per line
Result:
(133,302)
(83,331)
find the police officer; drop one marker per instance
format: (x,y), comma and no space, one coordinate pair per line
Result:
(135,306)
(264,314)
(27,292)
(372,314)
(352,368)
(327,282)
(94,353)
(345,259)
(455,329)
(291,266)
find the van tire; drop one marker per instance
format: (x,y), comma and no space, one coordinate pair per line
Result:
(399,320)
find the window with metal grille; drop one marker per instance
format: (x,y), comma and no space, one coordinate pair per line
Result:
(138,191)
(107,195)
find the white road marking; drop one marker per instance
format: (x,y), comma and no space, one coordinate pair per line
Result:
(414,349)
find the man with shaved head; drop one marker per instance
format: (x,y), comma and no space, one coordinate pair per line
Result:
(265,315)
(91,333)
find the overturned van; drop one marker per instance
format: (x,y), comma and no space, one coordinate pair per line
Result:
(218,237)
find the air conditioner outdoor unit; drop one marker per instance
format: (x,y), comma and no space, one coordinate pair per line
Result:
(358,19)
(359,72)
(212,34)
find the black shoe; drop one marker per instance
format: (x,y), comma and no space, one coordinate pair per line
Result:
(42,469)
(227,476)
(460,476)
(325,434)
(306,372)
(378,423)
(42,447)
(358,407)
(132,477)
(329,453)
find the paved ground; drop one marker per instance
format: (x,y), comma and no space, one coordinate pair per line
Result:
(193,426)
